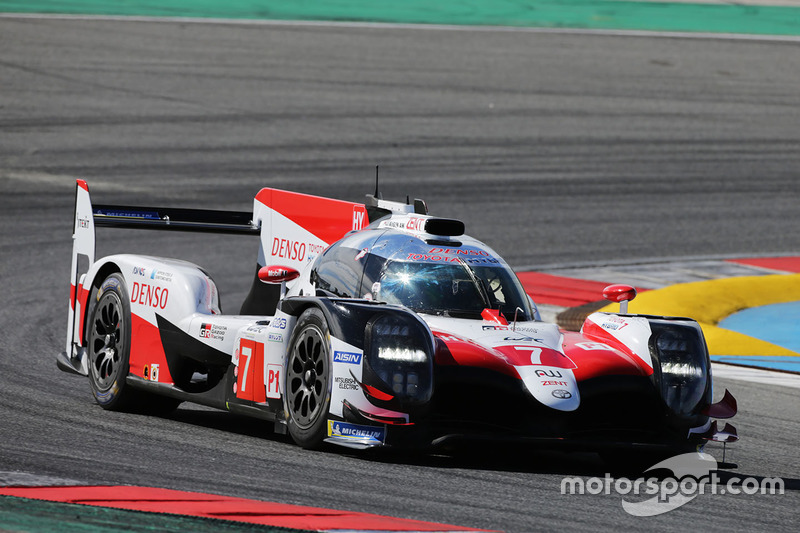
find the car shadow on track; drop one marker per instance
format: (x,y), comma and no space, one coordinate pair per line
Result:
(486,457)
(223,421)
(497,458)
(500,458)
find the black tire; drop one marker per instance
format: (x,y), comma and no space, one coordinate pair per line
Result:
(108,341)
(308,377)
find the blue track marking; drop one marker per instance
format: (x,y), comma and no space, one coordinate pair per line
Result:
(776,323)
(784,363)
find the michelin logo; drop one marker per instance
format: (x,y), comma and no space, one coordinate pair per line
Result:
(347,357)
(365,434)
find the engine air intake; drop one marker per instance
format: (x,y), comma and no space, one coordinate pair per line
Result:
(446,227)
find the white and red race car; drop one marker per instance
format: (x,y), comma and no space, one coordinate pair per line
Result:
(373,325)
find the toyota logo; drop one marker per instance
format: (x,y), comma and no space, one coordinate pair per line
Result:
(562,394)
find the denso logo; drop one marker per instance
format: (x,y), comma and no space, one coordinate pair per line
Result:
(288,249)
(347,357)
(145,294)
(457,251)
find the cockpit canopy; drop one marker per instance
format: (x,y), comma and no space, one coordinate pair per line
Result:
(453,278)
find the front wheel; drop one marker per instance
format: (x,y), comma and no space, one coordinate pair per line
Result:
(308,370)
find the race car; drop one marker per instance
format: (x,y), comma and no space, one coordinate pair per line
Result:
(376,324)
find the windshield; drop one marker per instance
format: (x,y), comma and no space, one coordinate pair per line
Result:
(454,289)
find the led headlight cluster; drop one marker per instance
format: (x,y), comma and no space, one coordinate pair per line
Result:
(408,355)
(400,354)
(682,361)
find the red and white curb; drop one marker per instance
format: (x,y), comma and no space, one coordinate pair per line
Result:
(196,504)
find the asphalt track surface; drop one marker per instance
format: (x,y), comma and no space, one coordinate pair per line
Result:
(556,149)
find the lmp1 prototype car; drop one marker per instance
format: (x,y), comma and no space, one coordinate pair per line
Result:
(373,325)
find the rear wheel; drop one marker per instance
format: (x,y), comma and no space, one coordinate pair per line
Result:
(308,371)
(108,336)
(108,339)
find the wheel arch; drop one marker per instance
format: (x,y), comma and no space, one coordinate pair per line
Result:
(98,277)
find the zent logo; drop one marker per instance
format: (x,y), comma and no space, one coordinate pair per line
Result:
(415,224)
(279,323)
(347,357)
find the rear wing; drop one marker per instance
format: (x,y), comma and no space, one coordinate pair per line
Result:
(87,217)
(293,228)
(175,219)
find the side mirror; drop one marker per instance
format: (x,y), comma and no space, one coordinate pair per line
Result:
(621,294)
(277,274)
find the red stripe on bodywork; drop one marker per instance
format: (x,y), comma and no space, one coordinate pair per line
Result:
(453,350)
(156,500)
(146,349)
(593,332)
(83,185)
(326,218)
(595,360)
(782,264)
(83,297)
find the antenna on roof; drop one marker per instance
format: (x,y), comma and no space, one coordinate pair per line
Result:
(377,192)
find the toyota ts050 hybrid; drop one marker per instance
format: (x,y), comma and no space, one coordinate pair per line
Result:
(373,325)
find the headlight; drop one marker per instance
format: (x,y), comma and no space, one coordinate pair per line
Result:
(400,355)
(682,358)
(408,355)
